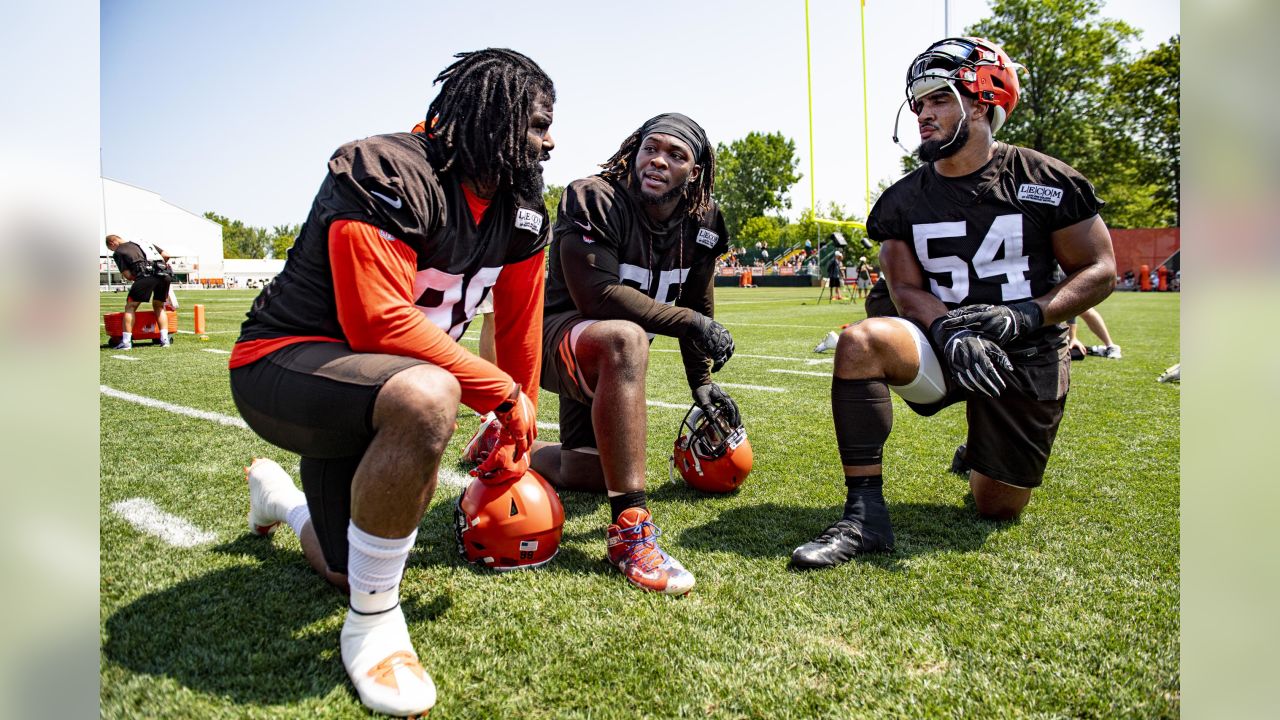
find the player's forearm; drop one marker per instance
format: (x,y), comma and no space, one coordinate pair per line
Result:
(916,303)
(1083,289)
(619,302)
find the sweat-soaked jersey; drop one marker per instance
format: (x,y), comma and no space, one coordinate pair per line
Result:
(986,237)
(609,261)
(386,183)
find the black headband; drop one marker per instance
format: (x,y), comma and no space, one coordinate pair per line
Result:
(679,126)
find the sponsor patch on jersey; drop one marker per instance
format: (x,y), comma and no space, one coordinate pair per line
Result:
(707,238)
(527,219)
(386,235)
(1040,194)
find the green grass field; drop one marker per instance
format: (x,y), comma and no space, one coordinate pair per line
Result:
(1073,611)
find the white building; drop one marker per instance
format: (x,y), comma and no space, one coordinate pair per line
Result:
(193,243)
(250,272)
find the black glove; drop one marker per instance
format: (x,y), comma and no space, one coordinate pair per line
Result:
(716,403)
(1001,324)
(971,358)
(712,340)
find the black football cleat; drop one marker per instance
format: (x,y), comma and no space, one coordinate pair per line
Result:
(958,464)
(866,530)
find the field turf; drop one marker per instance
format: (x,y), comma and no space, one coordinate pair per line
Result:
(1073,611)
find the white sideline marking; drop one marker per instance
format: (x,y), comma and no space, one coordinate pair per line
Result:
(674,406)
(126,357)
(216,351)
(800,372)
(211,332)
(177,409)
(549,426)
(143,515)
(764,388)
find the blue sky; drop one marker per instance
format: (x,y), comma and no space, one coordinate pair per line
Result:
(235,106)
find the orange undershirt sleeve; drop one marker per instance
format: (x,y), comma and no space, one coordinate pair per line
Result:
(373,286)
(517,314)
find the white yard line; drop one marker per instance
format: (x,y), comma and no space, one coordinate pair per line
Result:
(800,372)
(126,357)
(674,406)
(216,351)
(143,515)
(177,409)
(453,478)
(549,426)
(763,388)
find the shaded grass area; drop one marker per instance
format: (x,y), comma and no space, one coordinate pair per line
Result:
(1071,611)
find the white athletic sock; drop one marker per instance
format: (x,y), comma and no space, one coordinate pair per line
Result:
(374,568)
(164,335)
(126,337)
(298,516)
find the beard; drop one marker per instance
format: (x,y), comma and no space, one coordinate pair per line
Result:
(527,181)
(651,198)
(931,150)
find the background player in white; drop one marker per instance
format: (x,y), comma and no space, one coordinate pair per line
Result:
(969,244)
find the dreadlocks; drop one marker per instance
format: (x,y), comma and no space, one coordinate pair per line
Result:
(697,195)
(479,119)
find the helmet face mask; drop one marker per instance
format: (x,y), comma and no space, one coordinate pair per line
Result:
(710,455)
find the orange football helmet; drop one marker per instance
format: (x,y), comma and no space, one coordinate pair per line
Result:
(979,66)
(511,525)
(711,456)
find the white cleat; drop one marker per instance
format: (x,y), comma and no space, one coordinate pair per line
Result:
(383,666)
(828,343)
(271,495)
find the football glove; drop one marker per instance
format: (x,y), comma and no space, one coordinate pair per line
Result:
(1000,324)
(510,457)
(971,358)
(502,465)
(712,340)
(716,403)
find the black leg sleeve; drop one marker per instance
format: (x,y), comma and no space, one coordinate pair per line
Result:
(863,415)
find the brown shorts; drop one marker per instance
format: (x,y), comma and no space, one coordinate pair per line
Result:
(1010,437)
(316,399)
(561,375)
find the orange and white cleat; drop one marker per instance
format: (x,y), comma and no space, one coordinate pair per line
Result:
(484,441)
(633,549)
(383,666)
(271,495)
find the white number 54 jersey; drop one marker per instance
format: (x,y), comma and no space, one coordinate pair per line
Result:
(986,237)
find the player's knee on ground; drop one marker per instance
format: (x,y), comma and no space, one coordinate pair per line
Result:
(620,349)
(422,397)
(995,500)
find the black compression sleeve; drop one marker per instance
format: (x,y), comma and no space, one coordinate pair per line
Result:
(591,274)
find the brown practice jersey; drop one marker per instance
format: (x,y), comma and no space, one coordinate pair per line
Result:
(386,181)
(391,256)
(609,261)
(986,237)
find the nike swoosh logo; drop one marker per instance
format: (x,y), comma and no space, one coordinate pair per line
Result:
(395,204)
(586,227)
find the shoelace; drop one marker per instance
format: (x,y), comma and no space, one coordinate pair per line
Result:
(647,556)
